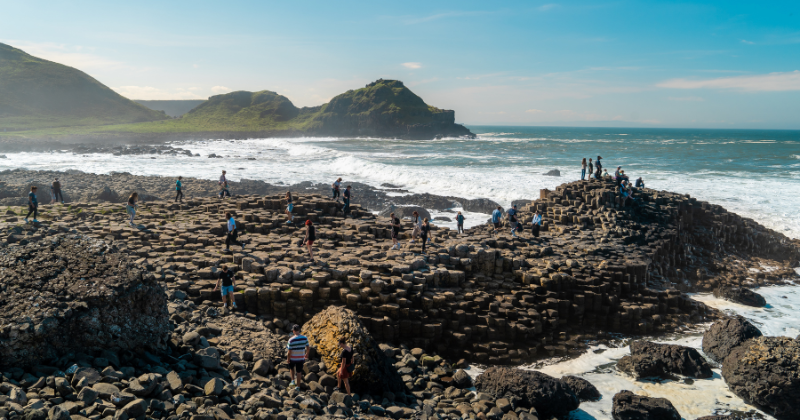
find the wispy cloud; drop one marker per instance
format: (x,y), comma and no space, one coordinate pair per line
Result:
(534,111)
(412,65)
(77,56)
(152,93)
(772,82)
(446,15)
(220,89)
(744,41)
(686,98)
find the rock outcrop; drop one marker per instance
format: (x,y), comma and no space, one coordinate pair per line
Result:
(765,371)
(741,295)
(660,360)
(582,388)
(73,293)
(373,370)
(548,395)
(726,334)
(629,406)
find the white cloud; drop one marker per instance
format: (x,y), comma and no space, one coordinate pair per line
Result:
(220,89)
(534,111)
(76,56)
(686,98)
(744,41)
(772,82)
(152,93)
(412,65)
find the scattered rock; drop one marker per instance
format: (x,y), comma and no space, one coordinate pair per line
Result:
(741,295)
(726,334)
(582,388)
(553,172)
(629,406)
(659,360)
(548,395)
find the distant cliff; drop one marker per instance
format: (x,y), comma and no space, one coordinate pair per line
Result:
(173,108)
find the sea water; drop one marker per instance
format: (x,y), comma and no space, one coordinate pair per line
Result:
(755,173)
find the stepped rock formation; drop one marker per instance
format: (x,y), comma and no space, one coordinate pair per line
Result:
(71,293)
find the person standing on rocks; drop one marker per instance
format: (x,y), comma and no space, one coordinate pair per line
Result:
(497,215)
(512,219)
(33,205)
(537,223)
(346,367)
(223,179)
(298,354)
(289,208)
(311,236)
(394,223)
(583,169)
(223,190)
(460,223)
(335,188)
(179,190)
(228,281)
(417,226)
(591,169)
(425,230)
(599,167)
(130,207)
(346,200)
(233,234)
(57,196)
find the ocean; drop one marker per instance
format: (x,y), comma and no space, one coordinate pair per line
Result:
(755,173)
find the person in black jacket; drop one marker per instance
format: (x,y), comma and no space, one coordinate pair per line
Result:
(311,236)
(424,231)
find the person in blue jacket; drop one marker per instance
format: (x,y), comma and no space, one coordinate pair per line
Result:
(497,215)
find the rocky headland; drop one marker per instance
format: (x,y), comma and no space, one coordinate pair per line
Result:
(602,264)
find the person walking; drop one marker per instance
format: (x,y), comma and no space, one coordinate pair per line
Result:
(460,223)
(394,223)
(298,354)
(227,280)
(497,215)
(346,200)
(512,219)
(583,169)
(224,191)
(346,367)
(311,236)
(57,195)
(223,179)
(537,223)
(425,230)
(417,222)
(131,206)
(179,190)
(335,187)
(289,208)
(33,205)
(232,236)
(591,169)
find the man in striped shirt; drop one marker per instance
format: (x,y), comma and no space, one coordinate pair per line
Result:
(298,354)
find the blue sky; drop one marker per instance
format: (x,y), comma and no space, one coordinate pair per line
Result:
(618,63)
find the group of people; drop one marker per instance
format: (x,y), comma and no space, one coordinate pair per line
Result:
(596,173)
(33,202)
(512,217)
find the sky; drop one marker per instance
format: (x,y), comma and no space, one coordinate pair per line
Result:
(716,64)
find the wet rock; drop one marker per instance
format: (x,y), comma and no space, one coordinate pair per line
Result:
(660,360)
(582,388)
(741,295)
(461,379)
(553,172)
(406,212)
(765,371)
(548,395)
(373,370)
(479,205)
(725,335)
(629,406)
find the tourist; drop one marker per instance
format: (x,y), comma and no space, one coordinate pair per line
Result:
(460,223)
(179,190)
(537,223)
(417,222)
(424,231)
(591,168)
(227,280)
(497,215)
(346,367)
(223,179)
(297,355)
(599,167)
(311,236)
(512,219)
(335,187)
(56,187)
(583,169)
(224,191)
(639,183)
(289,208)
(617,175)
(606,176)
(233,234)
(394,223)
(130,207)
(33,205)
(346,200)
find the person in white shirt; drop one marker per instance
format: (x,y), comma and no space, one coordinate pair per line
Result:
(417,222)
(336,189)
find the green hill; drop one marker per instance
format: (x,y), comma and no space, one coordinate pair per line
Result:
(171,107)
(36,93)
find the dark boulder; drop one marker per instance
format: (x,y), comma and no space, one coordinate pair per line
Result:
(406,212)
(553,172)
(105,194)
(765,372)
(479,205)
(651,359)
(582,388)
(629,406)
(725,335)
(741,295)
(548,395)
